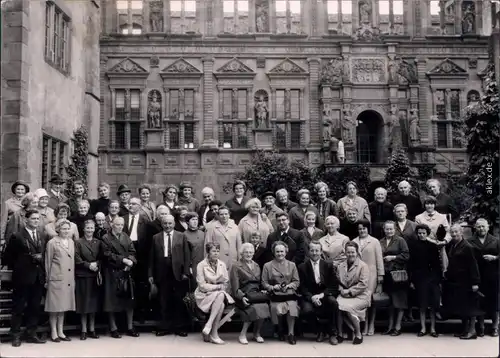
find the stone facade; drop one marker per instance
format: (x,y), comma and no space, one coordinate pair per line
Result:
(372,79)
(49,88)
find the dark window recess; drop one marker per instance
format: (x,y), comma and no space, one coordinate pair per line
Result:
(175,140)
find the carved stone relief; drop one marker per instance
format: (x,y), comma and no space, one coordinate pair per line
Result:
(156,16)
(287,66)
(469,17)
(348,125)
(447,67)
(154,61)
(472,63)
(407,72)
(181,66)
(235,66)
(262,16)
(392,69)
(368,70)
(331,72)
(127,66)
(365,12)
(261,109)
(367,33)
(331,123)
(394,130)
(154,109)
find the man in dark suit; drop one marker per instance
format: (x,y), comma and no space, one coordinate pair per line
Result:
(55,192)
(168,273)
(124,194)
(136,226)
(24,255)
(319,286)
(444,204)
(404,196)
(293,238)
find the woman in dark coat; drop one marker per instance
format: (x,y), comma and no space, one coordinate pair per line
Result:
(325,206)
(82,216)
(237,203)
(195,239)
(88,251)
(349,225)
(396,255)
(181,224)
(487,250)
(100,226)
(118,259)
(381,211)
(461,285)
(424,269)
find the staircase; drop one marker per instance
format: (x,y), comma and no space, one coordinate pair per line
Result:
(5,301)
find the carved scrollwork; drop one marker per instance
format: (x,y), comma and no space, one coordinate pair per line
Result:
(331,72)
(368,70)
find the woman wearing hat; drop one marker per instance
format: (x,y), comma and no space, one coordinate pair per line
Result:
(11,205)
(269,208)
(124,194)
(186,197)
(56,195)
(47,215)
(17,220)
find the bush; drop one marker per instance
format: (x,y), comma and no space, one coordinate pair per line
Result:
(337,179)
(398,170)
(78,168)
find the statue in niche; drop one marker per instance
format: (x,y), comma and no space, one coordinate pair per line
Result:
(346,69)
(365,11)
(156,16)
(154,109)
(468,19)
(414,127)
(348,125)
(261,17)
(261,110)
(394,131)
(393,69)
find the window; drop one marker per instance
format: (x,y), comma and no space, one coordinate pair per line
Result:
(182,16)
(54,153)
(127,124)
(57,37)
(455,104)
(288,16)
(442,135)
(447,114)
(442,25)
(181,127)
(441,104)
(288,119)
(236,16)
(391,16)
(130,16)
(339,16)
(233,129)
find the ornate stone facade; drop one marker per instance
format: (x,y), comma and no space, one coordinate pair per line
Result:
(290,83)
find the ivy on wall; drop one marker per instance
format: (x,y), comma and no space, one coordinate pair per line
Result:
(78,168)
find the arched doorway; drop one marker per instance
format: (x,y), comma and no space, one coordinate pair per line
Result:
(369,137)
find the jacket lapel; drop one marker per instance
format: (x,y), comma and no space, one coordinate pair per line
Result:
(29,240)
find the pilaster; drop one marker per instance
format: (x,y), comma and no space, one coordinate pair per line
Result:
(423,101)
(208,107)
(314,125)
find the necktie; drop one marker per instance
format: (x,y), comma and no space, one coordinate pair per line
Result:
(35,238)
(131,223)
(169,238)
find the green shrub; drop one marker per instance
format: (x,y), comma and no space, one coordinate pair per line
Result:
(78,168)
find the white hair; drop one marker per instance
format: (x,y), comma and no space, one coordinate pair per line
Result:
(456,225)
(430,181)
(246,245)
(84,201)
(336,221)
(136,200)
(167,218)
(482,221)
(118,218)
(381,190)
(404,182)
(161,208)
(100,215)
(400,205)
(207,190)
(252,202)
(282,191)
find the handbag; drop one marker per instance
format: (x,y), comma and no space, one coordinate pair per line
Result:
(380,298)
(125,285)
(280,296)
(257,297)
(399,276)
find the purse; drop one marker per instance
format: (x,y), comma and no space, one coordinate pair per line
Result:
(399,276)
(257,297)
(125,285)
(279,296)
(380,298)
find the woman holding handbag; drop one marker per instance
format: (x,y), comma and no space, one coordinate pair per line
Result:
(251,300)
(88,253)
(396,255)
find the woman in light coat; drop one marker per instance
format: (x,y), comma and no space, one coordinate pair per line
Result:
(60,273)
(352,200)
(62,212)
(254,221)
(11,205)
(225,232)
(17,221)
(333,244)
(371,254)
(46,213)
(211,294)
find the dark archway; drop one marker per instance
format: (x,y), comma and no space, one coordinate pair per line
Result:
(369,137)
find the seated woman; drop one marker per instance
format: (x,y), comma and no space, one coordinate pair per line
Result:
(62,211)
(355,295)
(280,278)
(246,288)
(332,245)
(210,295)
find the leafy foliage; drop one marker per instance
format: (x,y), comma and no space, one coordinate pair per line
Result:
(78,168)
(482,131)
(337,179)
(399,169)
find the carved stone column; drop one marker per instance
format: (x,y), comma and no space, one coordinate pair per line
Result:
(209,18)
(314,120)
(208,107)
(442,18)
(423,101)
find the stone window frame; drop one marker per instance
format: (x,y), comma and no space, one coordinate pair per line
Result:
(130,125)
(133,29)
(54,10)
(54,158)
(341,19)
(447,124)
(289,21)
(236,17)
(168,17)
(392,19)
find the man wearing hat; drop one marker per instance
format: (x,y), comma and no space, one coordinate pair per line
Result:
(270,208)
(55,192)
(124,194)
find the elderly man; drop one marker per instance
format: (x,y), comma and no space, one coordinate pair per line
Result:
(444,204)
(404,196)
(205,215)
(124,193)
(380,211)
(56,195)
(269,208)
(293,238)
(282,200)
(168,272)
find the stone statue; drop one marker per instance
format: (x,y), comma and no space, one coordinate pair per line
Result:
(348,125)
(394,131)
(468,20)
(346,69)
(261,18)
(156,16)
(393,69)
(261,113)
(414,127)
(154,110)
(334,149)
(365,11)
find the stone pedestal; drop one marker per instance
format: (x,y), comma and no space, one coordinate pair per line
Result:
(154,138)
(263,138)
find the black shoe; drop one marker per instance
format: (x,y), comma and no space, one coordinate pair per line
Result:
(434,334)
(480,332)
(35,339)
(115,334)
(162,333)
(388,332)
(181,333)
(132,333)
(395,332)
(281,337)
(469,336)
(83,336)
(340,339)
(333,340)
(357,340)
(494,332)
(421,334)
(65,339)
(320,337)
(291,339)
(93,335)
(16,342)
(56,340)
(458,335)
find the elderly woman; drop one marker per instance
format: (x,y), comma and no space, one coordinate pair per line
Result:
(349,224)
(487,250)
(254,221)
(195,239)
(444,203)
(148,208)
(396,255)
(461,285)
(380,211)
(270,209)
(88,254)
(424,268)
(251,301)
(113,212)
(237,203)
(101,228)
(371,254)
(283,201)
(102,203)
(280,278)
(62,212)
(46,213)
(404,228)
(17,221)
(226,233)
(355,296)
(297,213)
(181,224)
(353,201)
(83,214)
(60,275)
(325,206)
(310,232)
(78,195)
(11,205)
(261,254)
(333,243)
(118,258)
(205,214)
(211,296)
(170,198)
(186,197)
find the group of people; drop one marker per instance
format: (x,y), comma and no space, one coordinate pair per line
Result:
(333,264)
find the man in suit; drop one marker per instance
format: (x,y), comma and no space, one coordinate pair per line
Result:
(168,273)
(136,226)
(444,204)
(124,194)
(319,286)
(205,215)
(404,196)
(293,238)
(56,195)
(24,255)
